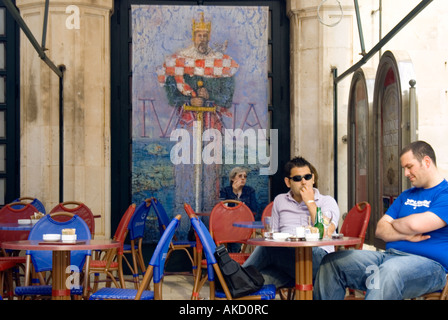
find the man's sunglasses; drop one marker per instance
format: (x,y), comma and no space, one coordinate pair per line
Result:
(307,177)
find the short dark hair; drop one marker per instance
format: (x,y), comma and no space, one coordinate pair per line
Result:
(420,149)
(297,162)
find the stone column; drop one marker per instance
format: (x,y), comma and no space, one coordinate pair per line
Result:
(78,37)
(315,50)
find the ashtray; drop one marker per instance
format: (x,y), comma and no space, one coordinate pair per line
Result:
(337,236)
(295,238)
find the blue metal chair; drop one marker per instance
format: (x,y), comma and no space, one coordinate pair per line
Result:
(155,270)
(208,245)
(42,260)
(163,220)
(136,229)
(33,201)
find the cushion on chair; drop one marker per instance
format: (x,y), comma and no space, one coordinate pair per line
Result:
(128,247)
(102,264)
(122,294)
(185,243)
(44,290)
(267,293)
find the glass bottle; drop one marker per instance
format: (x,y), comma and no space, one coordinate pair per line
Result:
(319,223)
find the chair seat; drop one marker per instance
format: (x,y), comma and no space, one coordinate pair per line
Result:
(120,294)
(5,265)
(128,247)
(268,292)
(239,257)
(185,243)
(44,290)
(21,259)
(102,264)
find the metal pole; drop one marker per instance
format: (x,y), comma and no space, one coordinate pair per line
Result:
(61,135)
(361,35)
(16,15)
(386,38)
(44,28)
(335,132)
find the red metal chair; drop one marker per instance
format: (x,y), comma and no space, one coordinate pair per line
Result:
(79,209)
(355,225)
(11,213)
(112,260)
(356,222)
(222,230)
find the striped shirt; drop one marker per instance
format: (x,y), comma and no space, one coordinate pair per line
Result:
(287,213)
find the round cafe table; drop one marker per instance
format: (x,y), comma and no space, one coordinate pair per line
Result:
(304,259)
(61,257)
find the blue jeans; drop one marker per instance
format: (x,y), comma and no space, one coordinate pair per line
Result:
(278,264)
(389,275)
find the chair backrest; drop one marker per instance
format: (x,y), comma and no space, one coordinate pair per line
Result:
(14,211)
(356,222)
(205,242)
(33,201)
(267,212)
(136,226)
(162,216)
(221,222)
(11,213)
(160,253)
(42,259)
(79,209)
(122,229)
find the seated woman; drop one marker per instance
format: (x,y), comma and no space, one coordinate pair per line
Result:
(238,190)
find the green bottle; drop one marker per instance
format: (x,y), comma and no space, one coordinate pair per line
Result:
(319,223)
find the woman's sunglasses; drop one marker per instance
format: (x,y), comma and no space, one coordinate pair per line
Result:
(307,177)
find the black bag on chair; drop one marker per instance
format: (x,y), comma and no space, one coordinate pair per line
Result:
(240,280)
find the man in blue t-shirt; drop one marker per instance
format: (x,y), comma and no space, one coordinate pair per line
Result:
(415,229)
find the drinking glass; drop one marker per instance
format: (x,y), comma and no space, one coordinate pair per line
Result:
(268,228)
(326,217)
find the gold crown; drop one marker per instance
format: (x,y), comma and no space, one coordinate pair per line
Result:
(201,25)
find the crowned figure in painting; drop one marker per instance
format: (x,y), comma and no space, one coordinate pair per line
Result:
(199,74)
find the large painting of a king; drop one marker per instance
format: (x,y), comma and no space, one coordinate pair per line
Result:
(200,71)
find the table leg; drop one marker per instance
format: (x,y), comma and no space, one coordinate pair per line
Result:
(61,260)
(304,273)
(308,273)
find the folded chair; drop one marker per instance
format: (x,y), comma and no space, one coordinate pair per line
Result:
(163,220)
(136,229)
(155,270)
(111,261)
(222,230)
(213,271)
(42,260)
